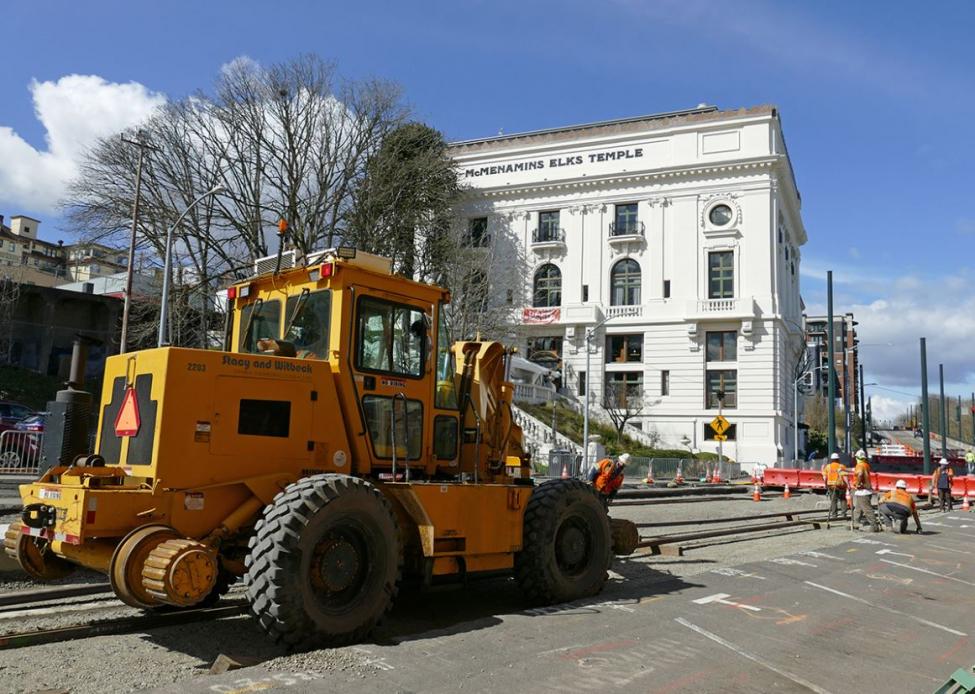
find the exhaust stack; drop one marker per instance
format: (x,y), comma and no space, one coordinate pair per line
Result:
(66,431)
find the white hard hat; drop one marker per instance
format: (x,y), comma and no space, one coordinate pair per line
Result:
(943,461)
(901,484)
(835,456)
(861,455)
(624,458)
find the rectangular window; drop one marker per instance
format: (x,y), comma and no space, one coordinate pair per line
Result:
(264,418)
(581,385)
(445,437)
(666,289)
(307,327)
(624,389)
(546,351)
(721,275)
(408,430)
(548,226)
(624,348)
(721,381)
(477,236)
(665,383)
(391,337)
(722,345)
(585,293)
(731,432)
(258,321)
(445,395)
(626,219)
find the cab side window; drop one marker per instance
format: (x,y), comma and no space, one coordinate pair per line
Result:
(390,337)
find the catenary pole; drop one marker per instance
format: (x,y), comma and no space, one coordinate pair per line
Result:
(944,413)
(863,414)
(925,408)
(831,355)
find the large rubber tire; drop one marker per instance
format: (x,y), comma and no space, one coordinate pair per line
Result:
(324,563)
(565,551)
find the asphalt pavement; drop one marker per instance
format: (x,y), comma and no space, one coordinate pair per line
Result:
(878,612)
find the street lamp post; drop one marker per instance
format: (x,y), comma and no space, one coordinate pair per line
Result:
(590,334)
(795,408)
(168,262)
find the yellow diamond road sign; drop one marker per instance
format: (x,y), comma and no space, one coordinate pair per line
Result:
(720,425)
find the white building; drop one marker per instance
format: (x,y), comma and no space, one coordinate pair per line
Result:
(683,229)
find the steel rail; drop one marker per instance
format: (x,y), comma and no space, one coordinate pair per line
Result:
(123,625)
(25,597)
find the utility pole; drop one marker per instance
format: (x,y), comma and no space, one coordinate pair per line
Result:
(925,407)
(831,356)
(127,306)
(846,392)
(863,414)
(944,413)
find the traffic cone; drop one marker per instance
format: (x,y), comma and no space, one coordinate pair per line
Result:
(787,494)
(565,471)
(716,478)
(649,479)
(757,493)
(965,506)
(679,479)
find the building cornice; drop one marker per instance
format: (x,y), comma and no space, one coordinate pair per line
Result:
(740,166)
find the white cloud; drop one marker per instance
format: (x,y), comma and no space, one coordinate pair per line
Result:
(76,111)
(885,408)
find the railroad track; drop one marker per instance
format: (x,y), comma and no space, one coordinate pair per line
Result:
(42,602)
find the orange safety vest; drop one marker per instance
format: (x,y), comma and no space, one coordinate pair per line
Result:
(610,477)
(833,474)
(861,475)
(899,496)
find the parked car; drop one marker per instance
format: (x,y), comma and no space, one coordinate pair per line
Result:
(12,412)
(34,423)
(22,448)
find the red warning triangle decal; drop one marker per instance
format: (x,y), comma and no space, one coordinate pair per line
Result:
(127,421)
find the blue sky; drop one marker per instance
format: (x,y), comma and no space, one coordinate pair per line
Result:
(876,100)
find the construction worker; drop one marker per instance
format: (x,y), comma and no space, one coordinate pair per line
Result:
(862,491)
(834,477)
(607,476)
(941,483)
(970,462)
(898,505)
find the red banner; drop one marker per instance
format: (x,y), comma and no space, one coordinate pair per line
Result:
(540,316)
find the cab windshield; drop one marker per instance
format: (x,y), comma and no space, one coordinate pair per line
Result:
(258,321)
(307,326)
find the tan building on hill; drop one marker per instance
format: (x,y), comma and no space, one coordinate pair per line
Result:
(28,259)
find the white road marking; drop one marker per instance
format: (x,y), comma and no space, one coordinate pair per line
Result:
(755,659)
(890,551)
(722,598)
(947,549)
(925,571)
(822,555)
(885,608)
(785,561)
(868,541)
(728,571)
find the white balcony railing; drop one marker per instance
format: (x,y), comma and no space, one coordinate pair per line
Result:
(624,311)
(717,305)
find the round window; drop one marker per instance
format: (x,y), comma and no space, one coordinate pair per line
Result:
(720,215)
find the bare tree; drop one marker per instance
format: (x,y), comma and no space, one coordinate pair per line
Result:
(290,141)
(622,403)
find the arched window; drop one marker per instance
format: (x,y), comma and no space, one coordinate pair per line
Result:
(547,286)
(624,281)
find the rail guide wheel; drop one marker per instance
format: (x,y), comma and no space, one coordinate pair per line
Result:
(324,563)
(566,545)
(34,556)
(128,561)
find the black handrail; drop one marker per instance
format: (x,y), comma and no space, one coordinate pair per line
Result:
(548,235)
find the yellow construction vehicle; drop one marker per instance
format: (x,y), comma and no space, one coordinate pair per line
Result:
(336,444)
